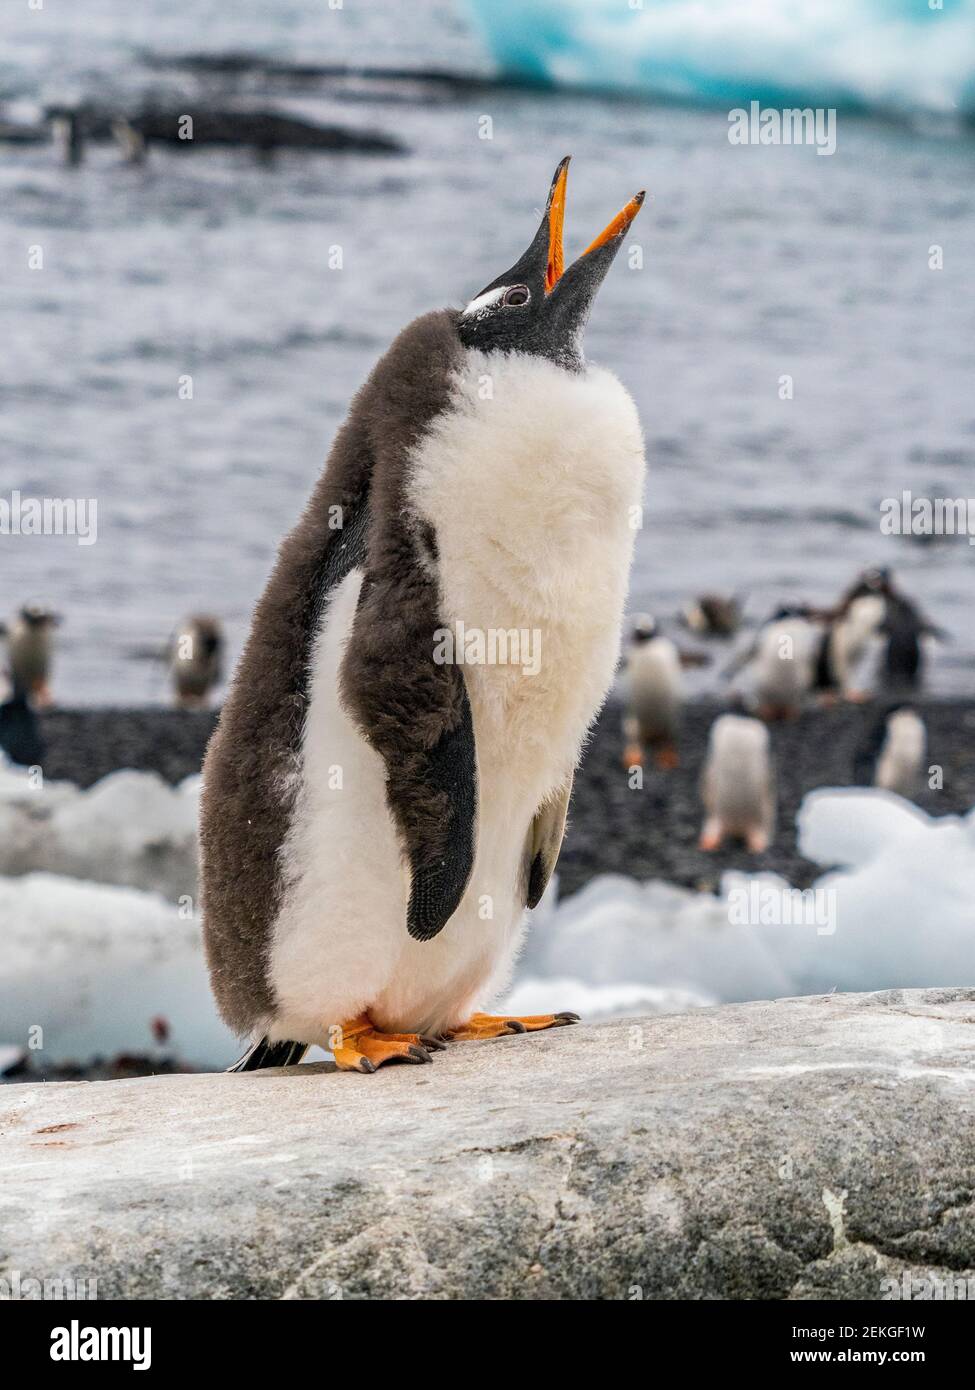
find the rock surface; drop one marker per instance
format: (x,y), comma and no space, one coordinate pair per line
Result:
(805,1148)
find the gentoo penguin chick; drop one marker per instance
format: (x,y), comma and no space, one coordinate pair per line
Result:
(892,754)
(196,658)
(850,626)
(654,695)
(780,664)
(29,644)
(713,615)
(737,785)
(387,787)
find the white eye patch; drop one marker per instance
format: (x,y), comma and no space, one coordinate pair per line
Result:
(484,301)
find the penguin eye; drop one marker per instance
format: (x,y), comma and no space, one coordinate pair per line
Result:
(516,296)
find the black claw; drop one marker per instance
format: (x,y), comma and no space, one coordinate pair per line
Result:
(434,1044)
(417,1054)
(567,1018)
(515,1025)
(365,1066)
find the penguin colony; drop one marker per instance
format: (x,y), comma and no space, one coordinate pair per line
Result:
(799,653)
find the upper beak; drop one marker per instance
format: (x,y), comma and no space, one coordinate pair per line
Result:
(555,213)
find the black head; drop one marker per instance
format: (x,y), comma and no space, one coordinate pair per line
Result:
(644,629)
(872,581)
(36,616)
(538,306)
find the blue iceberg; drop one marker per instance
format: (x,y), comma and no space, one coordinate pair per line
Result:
(887,55)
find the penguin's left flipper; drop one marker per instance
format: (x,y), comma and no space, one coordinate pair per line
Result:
(480,1027)
(545,842)
(415,712)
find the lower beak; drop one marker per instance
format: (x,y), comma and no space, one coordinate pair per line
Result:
(619,225)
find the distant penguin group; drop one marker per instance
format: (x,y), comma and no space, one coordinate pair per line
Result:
(799,655)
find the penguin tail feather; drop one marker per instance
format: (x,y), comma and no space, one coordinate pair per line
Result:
(268,1054)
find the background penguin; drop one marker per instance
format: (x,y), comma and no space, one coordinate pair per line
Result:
(29,644)
(713,615)
(196,660)
(68,129)
(850,626)
(653,694)
(892,754)
(780,663)
(902,663)
(20,734)
(737,784)
(374,821)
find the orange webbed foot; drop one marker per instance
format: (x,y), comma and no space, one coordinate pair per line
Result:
(361,1047)
(482,1026)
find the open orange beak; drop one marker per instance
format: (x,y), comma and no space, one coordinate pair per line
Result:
(556,220)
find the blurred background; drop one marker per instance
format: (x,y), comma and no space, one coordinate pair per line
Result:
(213,261)
(202,310)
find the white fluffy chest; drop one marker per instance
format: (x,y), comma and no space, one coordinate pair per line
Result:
(532,482)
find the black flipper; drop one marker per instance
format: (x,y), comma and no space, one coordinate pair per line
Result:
(439,879)
(414,710)
(545,842)
(268,1054)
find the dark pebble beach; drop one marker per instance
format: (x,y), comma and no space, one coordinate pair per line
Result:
(645,833)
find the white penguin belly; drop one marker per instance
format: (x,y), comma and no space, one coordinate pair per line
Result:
(343,909)
(533,491)
(340,944)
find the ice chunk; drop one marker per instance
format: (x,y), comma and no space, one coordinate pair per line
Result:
(91,966)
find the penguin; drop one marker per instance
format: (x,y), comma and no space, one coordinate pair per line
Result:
(892,754)
(130,141)
(21,740)
(69,134)
(737,784)
(780,663)
(654,696)
(196,658)
(383,798)
(713,615)
(850,626)
(902,662)
(29,644)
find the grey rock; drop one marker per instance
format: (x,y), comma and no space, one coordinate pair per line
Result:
(804,1148)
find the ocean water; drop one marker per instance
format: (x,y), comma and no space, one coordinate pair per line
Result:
(754,263)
